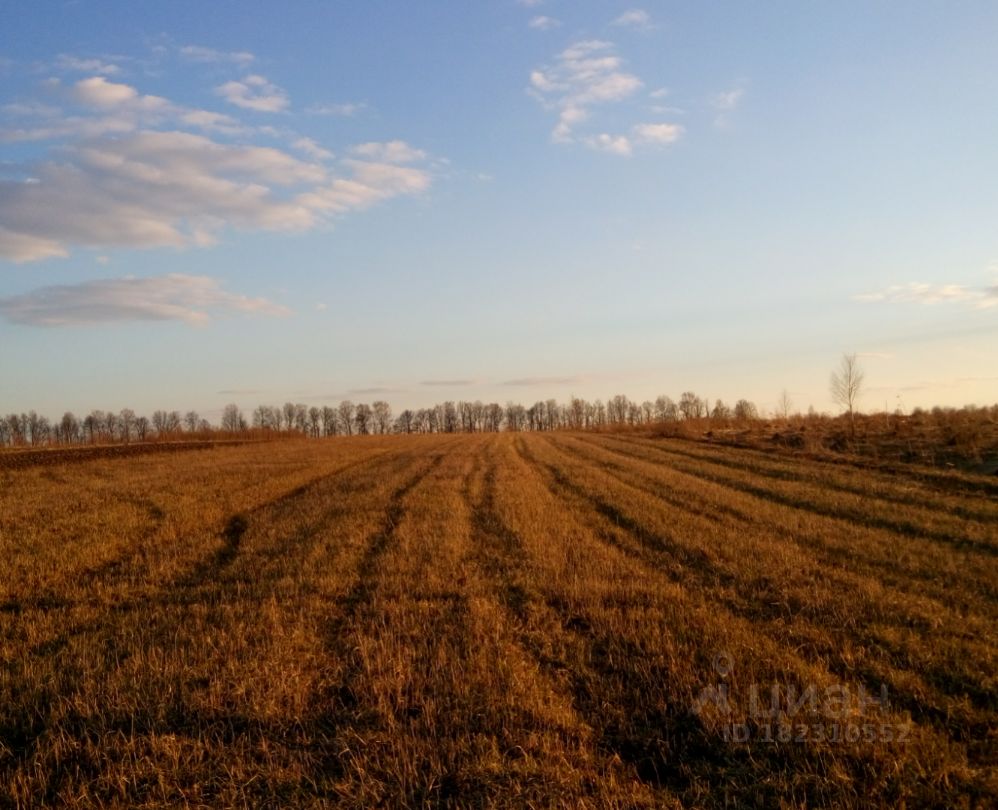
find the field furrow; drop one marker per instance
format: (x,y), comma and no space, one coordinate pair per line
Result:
(495,620)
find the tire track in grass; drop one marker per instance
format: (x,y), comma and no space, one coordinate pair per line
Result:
(891,490)
(984,544)
(501,557)
(929,750)
(202,590)
(950,687)
(822,542)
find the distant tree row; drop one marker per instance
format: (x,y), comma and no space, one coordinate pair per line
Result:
(347,419)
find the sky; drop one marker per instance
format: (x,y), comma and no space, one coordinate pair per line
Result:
(256,202)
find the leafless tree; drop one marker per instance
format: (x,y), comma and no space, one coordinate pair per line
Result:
(720,411)
(328,421)
(362,418)
(289,415)
(126,424)
(191,421)
(382,413)
(232,419)
(745,410)
(846,384)
(784,405)
(691,406)
(346,411)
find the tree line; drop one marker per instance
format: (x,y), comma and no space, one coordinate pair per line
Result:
(348,419)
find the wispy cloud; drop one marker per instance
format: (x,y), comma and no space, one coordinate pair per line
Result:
(345,110)
(85,65)
(198,53)
(117,178)
(448,383)
(374,390)
(309,147)
(920,293)
(725,103)
(389,152)
(633,18)
(658,133)
(175,296)
(533,381)
(254,93)
(543,23)
(584,75)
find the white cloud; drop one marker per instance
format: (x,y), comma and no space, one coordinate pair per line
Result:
(174,296)
(657,133)
(725,103)
(370,183)
(615,144)
(25,247)
(633,18)
(115,177)
(99,92)
(529,3)
(254,93)
(586,74)
(920,293)
(389,152)
(107,108)
(345,110)
(729,99)
(543,23)
(84,65)
(309,147)
(198,53)
(156,189)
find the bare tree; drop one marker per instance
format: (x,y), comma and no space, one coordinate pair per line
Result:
(362,418)
(691,406)
(784,404)
(126,424)
(191,421)
(346,411)
(846,384)
(720,410)
(382,413)
(289,415)
(328,421)
(232,419)
(745,410)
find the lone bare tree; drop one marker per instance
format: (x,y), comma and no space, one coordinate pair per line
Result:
(846,384)
(784,405)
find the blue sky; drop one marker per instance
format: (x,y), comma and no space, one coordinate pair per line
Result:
(254,202)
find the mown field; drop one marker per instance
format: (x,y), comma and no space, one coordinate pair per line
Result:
(518,620)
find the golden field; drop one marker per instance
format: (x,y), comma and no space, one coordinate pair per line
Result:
(508,620)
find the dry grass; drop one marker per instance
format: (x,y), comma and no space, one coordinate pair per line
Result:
(502,620)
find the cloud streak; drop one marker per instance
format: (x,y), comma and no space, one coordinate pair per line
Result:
(198,53)
(634,18)
(126,172)
(172,297)
(585,76)
(929,294)
(254,93)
